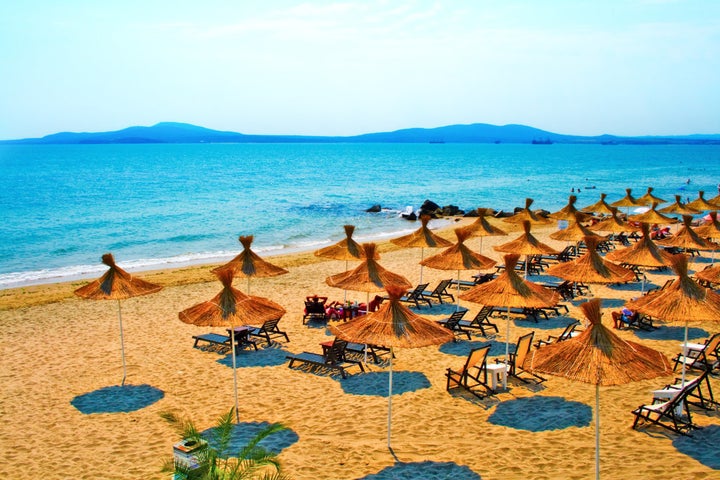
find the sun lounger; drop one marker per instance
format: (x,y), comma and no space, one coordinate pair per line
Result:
(439,292)
(269,331)
(477,280)
(701,397)
(214,341)
(453,323)
(481,321)
(374,351)
(415,295)
(704,358)
(673,413)
(473,375)
(314,311)
(565,335)
(333,359)
(527,312)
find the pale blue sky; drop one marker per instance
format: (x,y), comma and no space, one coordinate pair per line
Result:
(625,67)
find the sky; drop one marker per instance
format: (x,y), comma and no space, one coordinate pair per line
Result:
(581,67)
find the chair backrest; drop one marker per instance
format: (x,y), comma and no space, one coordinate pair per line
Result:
(567,333)
(483,314)
(454,320)
(314,307)
(682,393)
(336,354)
(417,291)
(712,344)
(524,344)
(476,358)
(457,315)
(270,325)
(442,286)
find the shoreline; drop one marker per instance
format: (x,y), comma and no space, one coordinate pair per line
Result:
(56,291)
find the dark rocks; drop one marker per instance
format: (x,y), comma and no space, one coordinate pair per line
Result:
(451,211)
(409,216)
(374,209)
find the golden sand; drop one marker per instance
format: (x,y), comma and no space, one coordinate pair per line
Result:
(56,347)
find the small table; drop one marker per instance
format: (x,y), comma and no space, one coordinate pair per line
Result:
(242,336)
(497,370)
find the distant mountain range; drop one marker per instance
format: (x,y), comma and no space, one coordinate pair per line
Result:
(169,132)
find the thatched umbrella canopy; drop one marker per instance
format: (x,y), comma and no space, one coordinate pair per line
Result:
(575,231)
(369,276)
(395,326)
(569,212)
(510,291)
(627,201)
(600,207)
(231,308)
(591,267)
(249,264)
(116,284)
(645,253)
(687,238)
(527,215)
(613,224)
(715,201)
(679,208)
(682,302)
(701,204)
(526,244)
(710,229)
(599,357)
(459,257)
(422,238)
(346,249)
(649,198)
(711,274)
(482,228)
(652,216)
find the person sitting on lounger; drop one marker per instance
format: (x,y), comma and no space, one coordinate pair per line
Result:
(317,303)
(334,310)
(626,316)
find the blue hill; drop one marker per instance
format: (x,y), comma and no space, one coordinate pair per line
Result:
(170,132)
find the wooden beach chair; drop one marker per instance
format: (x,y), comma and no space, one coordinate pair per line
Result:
(473,375)
(452,323)
(314,311)
(415,295)
(481,321)
(517,359)
(439,292)
(565,335)
(705,358)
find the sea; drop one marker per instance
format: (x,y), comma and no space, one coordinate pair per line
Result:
(158,206)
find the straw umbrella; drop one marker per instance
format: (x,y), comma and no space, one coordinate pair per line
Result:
(687,238)
(591,268)
(526,244)
(575,231)
(679,208)
(459,257)
(613,224)
(527,215)
(395,326)
(711,231)
(600,207)
(644,253)
(249,264)
(508,290)
(710,275)
(627,201)
(116,284)
(346,249)
(599,357)
(422,238)
(231,308)
(482,228)
(649,198)
(652,216)
(683,301)
(569,212)
(701,204)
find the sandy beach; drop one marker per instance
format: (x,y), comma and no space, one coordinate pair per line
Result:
(58,349)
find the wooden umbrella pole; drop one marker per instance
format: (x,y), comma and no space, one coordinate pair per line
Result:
(597,431)
(685,351)
(422,257)
(507,338)
(122,345)
(237,403)
(457,307)
(345,290)
(390,398)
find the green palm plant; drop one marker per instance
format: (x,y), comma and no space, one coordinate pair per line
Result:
(216,462)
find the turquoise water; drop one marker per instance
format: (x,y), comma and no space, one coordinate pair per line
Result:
(153,206)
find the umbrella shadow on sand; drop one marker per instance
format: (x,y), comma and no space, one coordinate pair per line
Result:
(427,470)
(671,333)
(376,383)
(263,357)
(549,413)
(553,323)
(117,399)
(702,446)
(243,432)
